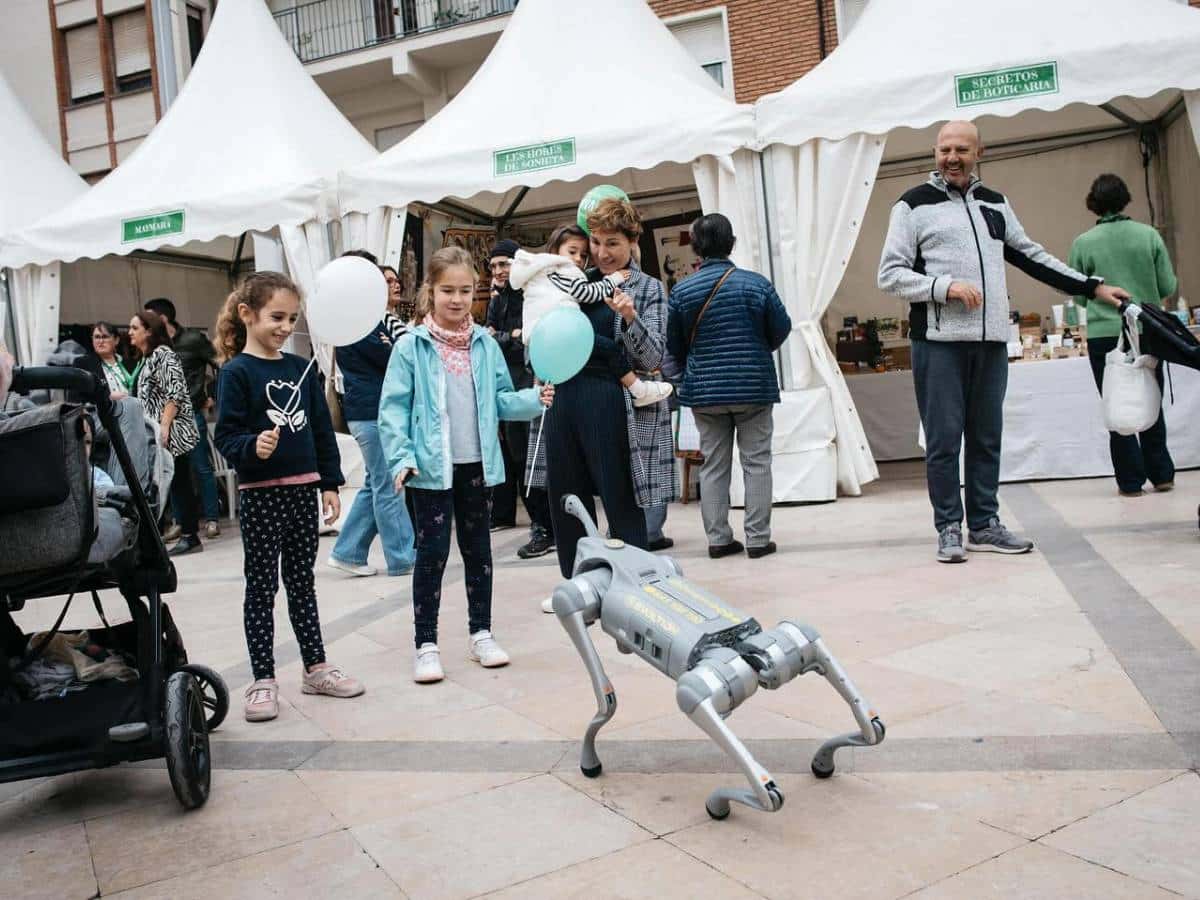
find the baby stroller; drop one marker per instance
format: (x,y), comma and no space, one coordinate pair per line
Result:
(63,531)
(1165,338)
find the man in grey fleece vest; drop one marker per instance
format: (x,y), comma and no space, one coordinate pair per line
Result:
(947,244)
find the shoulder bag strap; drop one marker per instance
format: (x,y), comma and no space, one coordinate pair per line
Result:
(704,308)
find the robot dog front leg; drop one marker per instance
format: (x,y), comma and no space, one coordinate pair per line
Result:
(577,605)
(718,684)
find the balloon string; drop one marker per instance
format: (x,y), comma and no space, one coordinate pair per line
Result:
(294,403)
(536,446)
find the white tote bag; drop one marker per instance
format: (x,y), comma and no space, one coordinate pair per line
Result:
(1132,399)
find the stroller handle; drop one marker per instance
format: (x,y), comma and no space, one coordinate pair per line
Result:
(68,378)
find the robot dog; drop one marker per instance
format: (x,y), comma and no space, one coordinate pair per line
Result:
(717,655)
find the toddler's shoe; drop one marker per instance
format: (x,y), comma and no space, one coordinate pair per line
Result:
(485,651)
(427,668)
(262,700)
(331,681)
(647,393)
(548,605)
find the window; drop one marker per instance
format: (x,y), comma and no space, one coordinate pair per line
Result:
(195,23)
(83,63)
(131,52)
(704,38)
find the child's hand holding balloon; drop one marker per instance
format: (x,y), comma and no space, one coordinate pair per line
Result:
(547,395)
(266,443)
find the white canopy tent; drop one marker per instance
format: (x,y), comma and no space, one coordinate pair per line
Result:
(1029,69)
(250,144)
(560,97)
(34,181)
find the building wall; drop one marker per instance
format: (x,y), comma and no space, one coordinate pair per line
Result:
(28,64)
(773,42)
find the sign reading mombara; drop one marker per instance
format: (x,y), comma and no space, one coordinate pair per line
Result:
(151,226)
(533,158)
(1005,84)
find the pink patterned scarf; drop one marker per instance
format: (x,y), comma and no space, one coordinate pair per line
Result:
(454,347)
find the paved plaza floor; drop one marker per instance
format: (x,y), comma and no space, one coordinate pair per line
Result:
(1043,717)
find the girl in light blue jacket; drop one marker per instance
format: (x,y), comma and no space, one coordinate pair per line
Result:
(446,390)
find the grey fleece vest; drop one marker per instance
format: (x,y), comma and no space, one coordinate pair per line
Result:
(938,235)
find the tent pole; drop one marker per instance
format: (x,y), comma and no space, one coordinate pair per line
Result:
(508,213)
(236,262)
(770,253)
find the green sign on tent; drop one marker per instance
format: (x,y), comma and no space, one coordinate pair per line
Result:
(534,157)
(151,226)
(1005,84)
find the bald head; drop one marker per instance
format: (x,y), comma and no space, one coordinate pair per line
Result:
(957,152)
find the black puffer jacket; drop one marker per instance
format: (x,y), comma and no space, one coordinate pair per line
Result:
(198,358)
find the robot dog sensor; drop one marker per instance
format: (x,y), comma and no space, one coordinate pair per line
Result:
(717,655)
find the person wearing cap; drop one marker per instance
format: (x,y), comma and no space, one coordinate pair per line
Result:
(506,310)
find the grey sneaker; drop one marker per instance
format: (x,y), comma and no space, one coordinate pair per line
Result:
(997,539)
(950,545)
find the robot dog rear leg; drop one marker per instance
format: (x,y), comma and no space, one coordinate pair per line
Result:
(871,729)
(577,604)
(713,689)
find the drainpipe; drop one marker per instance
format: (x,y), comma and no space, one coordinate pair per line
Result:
(164,49)
(821,28)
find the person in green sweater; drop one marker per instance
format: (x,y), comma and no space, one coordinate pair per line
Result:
(1133,255)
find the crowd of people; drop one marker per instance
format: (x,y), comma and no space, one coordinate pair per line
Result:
(455,430)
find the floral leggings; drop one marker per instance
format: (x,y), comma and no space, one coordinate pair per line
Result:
(468,503)
(280,523)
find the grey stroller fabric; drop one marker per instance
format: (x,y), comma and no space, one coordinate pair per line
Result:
(154,465)
(52,537)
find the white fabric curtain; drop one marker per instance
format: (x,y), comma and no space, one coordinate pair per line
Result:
(1192,101)
(731,185)
(820,192)
(34,293)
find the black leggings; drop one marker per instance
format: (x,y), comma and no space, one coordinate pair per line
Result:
(468,504)
(183,496)
(280,523)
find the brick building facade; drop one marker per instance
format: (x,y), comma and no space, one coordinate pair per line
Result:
(772,42)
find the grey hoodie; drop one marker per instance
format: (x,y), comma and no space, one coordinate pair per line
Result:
(938,235)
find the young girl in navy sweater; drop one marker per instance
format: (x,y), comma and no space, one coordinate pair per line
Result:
(276,432)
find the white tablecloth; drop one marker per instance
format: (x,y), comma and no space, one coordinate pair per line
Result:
(1053,423)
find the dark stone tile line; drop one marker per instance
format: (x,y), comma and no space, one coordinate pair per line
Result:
(1162,664)
(784,756)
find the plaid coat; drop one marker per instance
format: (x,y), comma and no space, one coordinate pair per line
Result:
(651,443)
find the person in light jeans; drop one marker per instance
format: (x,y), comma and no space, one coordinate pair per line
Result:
(725,324)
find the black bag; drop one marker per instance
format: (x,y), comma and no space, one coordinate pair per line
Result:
(33,460)
(1167,338)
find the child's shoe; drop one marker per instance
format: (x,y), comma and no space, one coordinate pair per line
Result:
(548,605)
(485,651)
(262,700)
(647,393)
(331,681)
(427,669)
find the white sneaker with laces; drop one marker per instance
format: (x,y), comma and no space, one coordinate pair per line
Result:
(485,651)
(548,605)
(351,569)
(428,666)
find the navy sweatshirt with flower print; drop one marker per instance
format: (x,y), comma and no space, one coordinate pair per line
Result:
(255,395)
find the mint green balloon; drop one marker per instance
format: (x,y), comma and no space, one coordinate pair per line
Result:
(592,199)
(561,344)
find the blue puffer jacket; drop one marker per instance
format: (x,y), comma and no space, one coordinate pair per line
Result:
(412,409)
(730,363)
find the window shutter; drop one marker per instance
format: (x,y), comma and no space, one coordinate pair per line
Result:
(703,38)
(129,43)
(83,61)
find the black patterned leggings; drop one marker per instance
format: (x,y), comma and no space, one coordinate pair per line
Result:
(280,523)
(468,504)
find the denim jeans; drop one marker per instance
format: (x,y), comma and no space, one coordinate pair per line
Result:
(656,521)
(202,468)
(377,510)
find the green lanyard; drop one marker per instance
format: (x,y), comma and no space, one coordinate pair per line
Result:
(126,377)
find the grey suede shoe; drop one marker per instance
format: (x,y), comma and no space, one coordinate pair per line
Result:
(995,538)
(950,545)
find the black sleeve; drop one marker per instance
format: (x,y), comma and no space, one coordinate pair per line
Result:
(233,435)
(329,460)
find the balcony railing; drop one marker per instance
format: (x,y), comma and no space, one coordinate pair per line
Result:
(324,28)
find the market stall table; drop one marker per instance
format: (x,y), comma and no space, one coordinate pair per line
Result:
(1053,423)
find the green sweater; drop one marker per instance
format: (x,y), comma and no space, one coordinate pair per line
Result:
(1125,254)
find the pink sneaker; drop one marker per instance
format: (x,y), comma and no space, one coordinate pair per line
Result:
(331,681)
(262,700)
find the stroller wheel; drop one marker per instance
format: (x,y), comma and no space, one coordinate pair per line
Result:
(213,693)
(186,740)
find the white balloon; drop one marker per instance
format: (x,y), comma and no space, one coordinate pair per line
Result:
(350,299)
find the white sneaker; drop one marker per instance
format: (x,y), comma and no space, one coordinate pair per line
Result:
(651,392)
(428,666)
(485,651)
(548,605)
(351,569)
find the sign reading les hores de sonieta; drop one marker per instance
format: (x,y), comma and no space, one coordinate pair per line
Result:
(533,158)
(151,226)
(1005,84)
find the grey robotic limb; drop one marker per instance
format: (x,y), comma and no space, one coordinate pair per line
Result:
(717,655)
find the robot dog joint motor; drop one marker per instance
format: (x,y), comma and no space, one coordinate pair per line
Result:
(717,655)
